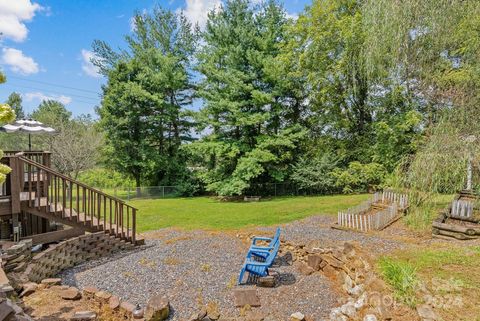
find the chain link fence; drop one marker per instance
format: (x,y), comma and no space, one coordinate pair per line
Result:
(152,192)
(155,192)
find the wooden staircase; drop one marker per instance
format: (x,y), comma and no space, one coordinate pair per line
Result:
(48,194)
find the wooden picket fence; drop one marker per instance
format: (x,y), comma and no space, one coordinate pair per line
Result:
(368,221)
(375,214)
(390,197)
(462,209)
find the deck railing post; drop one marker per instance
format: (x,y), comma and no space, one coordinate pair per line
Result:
(16,182)
(134,224)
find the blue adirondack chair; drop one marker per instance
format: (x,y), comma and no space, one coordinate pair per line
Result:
(262,251)
(259,268)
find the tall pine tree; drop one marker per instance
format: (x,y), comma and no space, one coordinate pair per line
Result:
(250,140)
(143,107)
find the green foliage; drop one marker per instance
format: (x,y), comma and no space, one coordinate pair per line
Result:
(349,97)
(402,277)
(105,178)
(396,138)
(51,112)
(358,115)
(359,177)
(142,110)
(14,100)
(316,173)
(253,136)
(4,170)
(7,115)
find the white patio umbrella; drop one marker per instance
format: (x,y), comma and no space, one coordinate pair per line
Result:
(29,126)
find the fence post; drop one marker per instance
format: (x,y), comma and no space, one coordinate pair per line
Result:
(128,193)
(163,191)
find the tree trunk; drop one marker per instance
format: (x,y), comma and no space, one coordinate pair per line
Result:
(138,192)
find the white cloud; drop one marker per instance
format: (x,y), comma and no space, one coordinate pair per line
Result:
(41,97)
(13,14)
(197,10)
(87,66)
(18,62)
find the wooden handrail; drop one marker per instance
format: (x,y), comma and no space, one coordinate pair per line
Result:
(51,171)
(50,191)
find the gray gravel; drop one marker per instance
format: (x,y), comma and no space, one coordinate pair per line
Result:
(195,268)
(317,228)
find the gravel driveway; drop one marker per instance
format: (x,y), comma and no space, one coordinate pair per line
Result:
(194,268)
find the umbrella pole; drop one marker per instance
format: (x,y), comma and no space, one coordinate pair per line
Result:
(29,142)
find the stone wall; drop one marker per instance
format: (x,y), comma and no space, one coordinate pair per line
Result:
(71,252)
(367,297)
(16,257)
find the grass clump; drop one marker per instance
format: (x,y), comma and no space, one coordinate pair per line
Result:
(402,277)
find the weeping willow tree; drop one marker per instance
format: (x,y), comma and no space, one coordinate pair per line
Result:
(6,115)
(431,48)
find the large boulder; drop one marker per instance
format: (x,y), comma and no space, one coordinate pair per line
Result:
(158,308)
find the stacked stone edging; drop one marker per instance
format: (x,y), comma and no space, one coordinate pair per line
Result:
(368,298)
(71,252)
(16,256)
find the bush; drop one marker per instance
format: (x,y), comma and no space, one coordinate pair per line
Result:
(315,174)
(359,177)
(105,178)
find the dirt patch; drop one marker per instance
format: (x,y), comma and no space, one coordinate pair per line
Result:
(48,305)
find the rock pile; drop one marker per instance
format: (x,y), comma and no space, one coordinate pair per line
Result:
(366,296)
(10,311)
(15,258)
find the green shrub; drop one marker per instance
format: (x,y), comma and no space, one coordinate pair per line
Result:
(359,177)
(402,277)
(315,174)
(105,178)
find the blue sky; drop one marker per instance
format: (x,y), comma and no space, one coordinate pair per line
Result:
(45,45)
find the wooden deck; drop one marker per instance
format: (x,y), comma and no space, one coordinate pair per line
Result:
(34,189)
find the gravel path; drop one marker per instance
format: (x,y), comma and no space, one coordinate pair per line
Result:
(195,268)
(317,229)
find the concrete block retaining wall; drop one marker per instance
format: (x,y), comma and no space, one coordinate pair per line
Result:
(71,252)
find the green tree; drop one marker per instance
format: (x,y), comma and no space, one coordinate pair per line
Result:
(51,113)
(14,100)
(143,109)
(355,112)
(6,115)
(251,140)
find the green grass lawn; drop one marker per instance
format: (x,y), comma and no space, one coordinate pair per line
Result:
(450,272)
(209,213)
